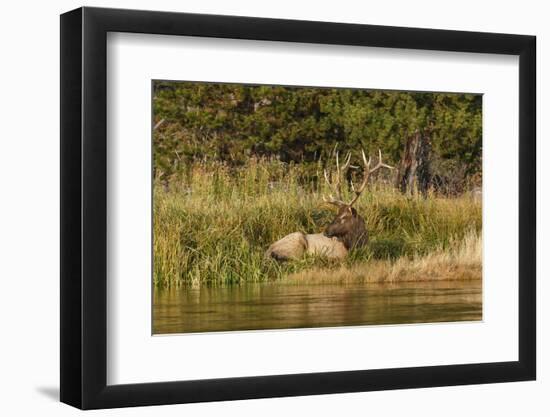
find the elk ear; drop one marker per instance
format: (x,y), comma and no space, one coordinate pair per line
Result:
(350,210)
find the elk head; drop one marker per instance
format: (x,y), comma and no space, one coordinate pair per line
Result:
(348,226)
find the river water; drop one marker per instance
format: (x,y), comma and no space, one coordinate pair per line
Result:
(285,306)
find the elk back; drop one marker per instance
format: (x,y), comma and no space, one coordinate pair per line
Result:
(292,246)
(296,245)
(321,245)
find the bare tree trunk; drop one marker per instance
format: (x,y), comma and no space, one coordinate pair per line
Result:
(414,172)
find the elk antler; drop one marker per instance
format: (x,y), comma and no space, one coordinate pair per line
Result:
(366,174)
(336,188)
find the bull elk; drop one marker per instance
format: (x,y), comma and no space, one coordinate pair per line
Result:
(345,232)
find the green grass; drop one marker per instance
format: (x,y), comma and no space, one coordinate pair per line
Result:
(213,224)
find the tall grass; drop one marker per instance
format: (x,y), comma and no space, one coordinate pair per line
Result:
(213,224)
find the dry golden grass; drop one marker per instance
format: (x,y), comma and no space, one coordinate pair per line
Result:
(462,260)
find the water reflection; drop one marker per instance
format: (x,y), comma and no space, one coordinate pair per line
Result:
(280,306)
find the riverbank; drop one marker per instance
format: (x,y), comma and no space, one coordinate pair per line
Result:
(213,225)
(462,260)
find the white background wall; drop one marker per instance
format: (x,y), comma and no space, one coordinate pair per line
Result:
(29,225)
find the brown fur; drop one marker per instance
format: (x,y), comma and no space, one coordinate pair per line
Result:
(349,228)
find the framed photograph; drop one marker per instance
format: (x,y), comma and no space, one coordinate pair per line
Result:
(259,208)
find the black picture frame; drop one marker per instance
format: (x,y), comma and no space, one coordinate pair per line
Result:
(84,208)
